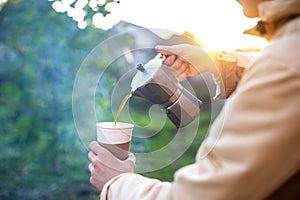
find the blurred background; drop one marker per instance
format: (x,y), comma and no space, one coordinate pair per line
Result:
(42,46)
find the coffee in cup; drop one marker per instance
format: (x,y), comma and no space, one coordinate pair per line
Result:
(116,138)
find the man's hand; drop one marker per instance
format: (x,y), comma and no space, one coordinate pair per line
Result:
(105,166)
(186,60)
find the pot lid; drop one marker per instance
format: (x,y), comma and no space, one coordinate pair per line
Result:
(146,72)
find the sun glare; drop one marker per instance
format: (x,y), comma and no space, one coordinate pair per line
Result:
(2,2)
(217,24)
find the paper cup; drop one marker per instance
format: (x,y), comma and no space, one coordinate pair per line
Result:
(115,139)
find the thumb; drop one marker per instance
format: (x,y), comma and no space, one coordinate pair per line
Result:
(99,150)
(129,164)
(132,158)
(166,50)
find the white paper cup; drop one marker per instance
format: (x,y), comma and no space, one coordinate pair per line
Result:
(115,139)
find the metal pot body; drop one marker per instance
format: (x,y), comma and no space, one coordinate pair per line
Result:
(157,84)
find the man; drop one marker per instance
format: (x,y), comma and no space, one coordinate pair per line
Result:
(257,152)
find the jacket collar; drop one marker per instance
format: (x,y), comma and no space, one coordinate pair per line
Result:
(273,15)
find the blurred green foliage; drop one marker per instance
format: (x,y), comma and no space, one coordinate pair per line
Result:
(40,54)
(41,155)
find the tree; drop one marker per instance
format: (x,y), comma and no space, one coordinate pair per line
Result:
(40,150)
(87,12)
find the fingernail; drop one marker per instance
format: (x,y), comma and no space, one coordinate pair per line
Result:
(159,48)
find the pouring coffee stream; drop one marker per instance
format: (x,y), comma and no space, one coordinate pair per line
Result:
(155,82)
(121,108)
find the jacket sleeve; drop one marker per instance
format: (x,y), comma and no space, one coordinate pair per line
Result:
(135,187)
(252,148)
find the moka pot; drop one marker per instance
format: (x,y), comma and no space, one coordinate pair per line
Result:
(155,82)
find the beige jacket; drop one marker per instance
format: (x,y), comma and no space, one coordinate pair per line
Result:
(254,144)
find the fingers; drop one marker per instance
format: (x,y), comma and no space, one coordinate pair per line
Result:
(196,57)
(93,145)
(104,165)
(94,159)
(95,179)
(98,149)
(183,75)
(101,156)
(170,60)
(91,167)
(180,69)
(92,156)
